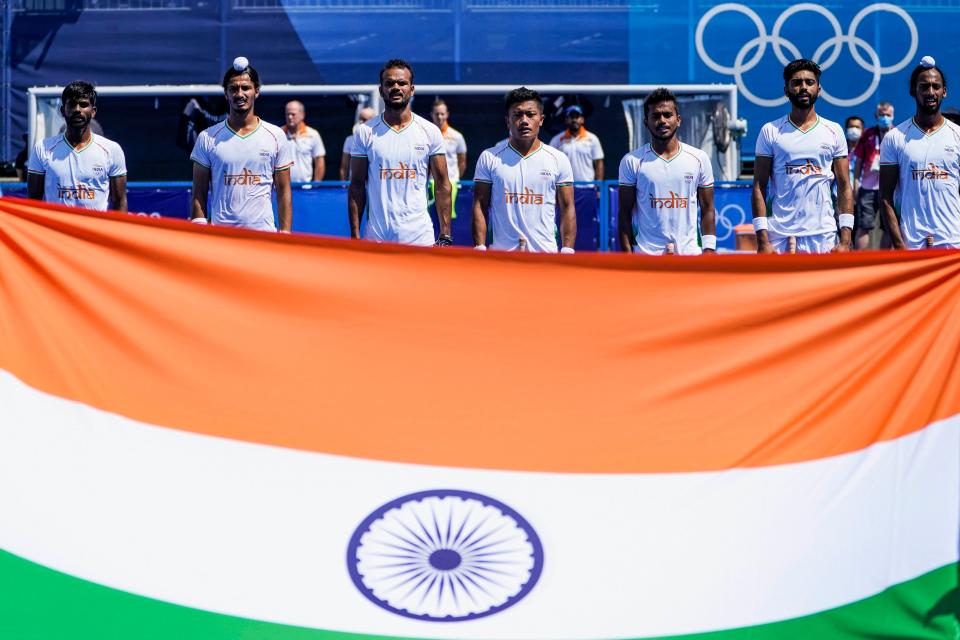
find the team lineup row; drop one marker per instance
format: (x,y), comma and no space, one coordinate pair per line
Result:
(523,185)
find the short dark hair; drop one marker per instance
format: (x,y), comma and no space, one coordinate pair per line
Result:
(396,63)
(660,95)
(846,123)
(76,90)
(522,94)
(438,102)
(915,75)
(233,73)
(801,65)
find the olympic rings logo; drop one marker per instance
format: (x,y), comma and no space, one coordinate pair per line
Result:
(742,64)
(725,223)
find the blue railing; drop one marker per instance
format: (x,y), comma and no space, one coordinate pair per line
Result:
(321,208)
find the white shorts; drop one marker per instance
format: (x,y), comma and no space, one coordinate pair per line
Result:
(820,243)
(418,231)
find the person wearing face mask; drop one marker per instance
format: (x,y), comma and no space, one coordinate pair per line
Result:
(866,178)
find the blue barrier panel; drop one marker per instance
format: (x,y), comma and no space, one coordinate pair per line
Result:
(730,199)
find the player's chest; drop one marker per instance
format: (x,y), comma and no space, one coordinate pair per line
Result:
(90,165)
(253,155)
(932,162)
(536,176)
(796,149)
(662,176)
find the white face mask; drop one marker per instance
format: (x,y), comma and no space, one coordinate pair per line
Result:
(853,134)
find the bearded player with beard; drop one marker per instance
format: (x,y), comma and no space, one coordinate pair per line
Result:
(800,155)
(921,159)
(391,160)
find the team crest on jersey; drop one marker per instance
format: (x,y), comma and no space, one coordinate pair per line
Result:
(527,197)
(402,172)
(688,177)
(420,148)
(546,173)
(950,149)
(264,153)
(673,201)
(98,169)
(929,172)
(802,168)
(826,148)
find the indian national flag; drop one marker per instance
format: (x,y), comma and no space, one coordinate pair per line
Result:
(218,434)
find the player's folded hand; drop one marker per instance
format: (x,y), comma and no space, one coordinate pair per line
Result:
(444,241)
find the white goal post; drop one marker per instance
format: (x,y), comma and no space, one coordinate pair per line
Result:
(44,118)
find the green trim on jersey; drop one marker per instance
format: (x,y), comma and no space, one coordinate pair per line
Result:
(913,121)
(815,125)
(523,157)
(63,136)
(672,158)
(259,124)
(401,129)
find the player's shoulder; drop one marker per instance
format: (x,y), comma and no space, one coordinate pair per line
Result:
(776,126)
(272,130)
(556,140)
(110,145)
(453,133)
(426,126)
(558,156)
(694,152)
(214,130)
(311,132)
(51,143)
(592,137)
(952,127)
(835,128)
(638,155)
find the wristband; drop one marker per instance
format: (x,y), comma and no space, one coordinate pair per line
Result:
(709,241)
(760,223)
(567,250)
(200,220)
(846,220)
(481,247)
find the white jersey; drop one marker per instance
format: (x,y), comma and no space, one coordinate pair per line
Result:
(348,145)
(801,175)
(79,178)
(929,186)
(454,143)
(241,172)
(667,210)
(582,151)
(523,194)
(307,145)
(398,165)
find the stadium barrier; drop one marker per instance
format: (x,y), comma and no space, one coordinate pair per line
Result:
(321,208)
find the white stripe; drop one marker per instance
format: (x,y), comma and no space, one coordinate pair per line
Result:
(261,532)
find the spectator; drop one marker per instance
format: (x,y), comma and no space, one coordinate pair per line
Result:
(456,151)
(364,115)
(866,178)
(582,147)
(309,153)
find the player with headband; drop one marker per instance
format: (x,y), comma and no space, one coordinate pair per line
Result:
(920,161)
(664,185)
(799,156)
(241,161)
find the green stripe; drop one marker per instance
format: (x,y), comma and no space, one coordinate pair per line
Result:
(37,603)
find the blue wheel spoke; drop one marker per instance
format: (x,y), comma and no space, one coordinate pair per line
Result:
(400,584)
(473,545)
(429,588)
(414,547)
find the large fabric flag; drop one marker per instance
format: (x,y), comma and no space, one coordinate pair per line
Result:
(211,433)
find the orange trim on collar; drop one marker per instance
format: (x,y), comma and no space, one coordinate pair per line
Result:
(580,136)
(302,129)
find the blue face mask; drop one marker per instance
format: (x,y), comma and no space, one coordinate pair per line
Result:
(885,122)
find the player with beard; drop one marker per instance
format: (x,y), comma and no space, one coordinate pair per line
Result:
(664,185)
(799,155)
(78,167)
(521,183)
(391,159)
(920,158)
(241,160)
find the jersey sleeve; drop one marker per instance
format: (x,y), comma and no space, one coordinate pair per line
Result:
(37,163)
(565,170)
(437,146)
(461,144)
(628,173)
(201,154)
(118,162)
(890,148)
(839,143)
(596,150)
(765,141)
(318,149)
(285,156)
(706,172)
(361,142)
(484,169)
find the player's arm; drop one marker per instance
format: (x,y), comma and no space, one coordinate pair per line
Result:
(438,167)
(281,182)
(889,179)
(598,169)
(118,193)
(627,201)
(462,164)
(708,217)
(357,193)
(35,185)
(344,166)
(319,168)
(201,186)
(857,173)
(758,202)
(481,209)
(568,216)
(841,169)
